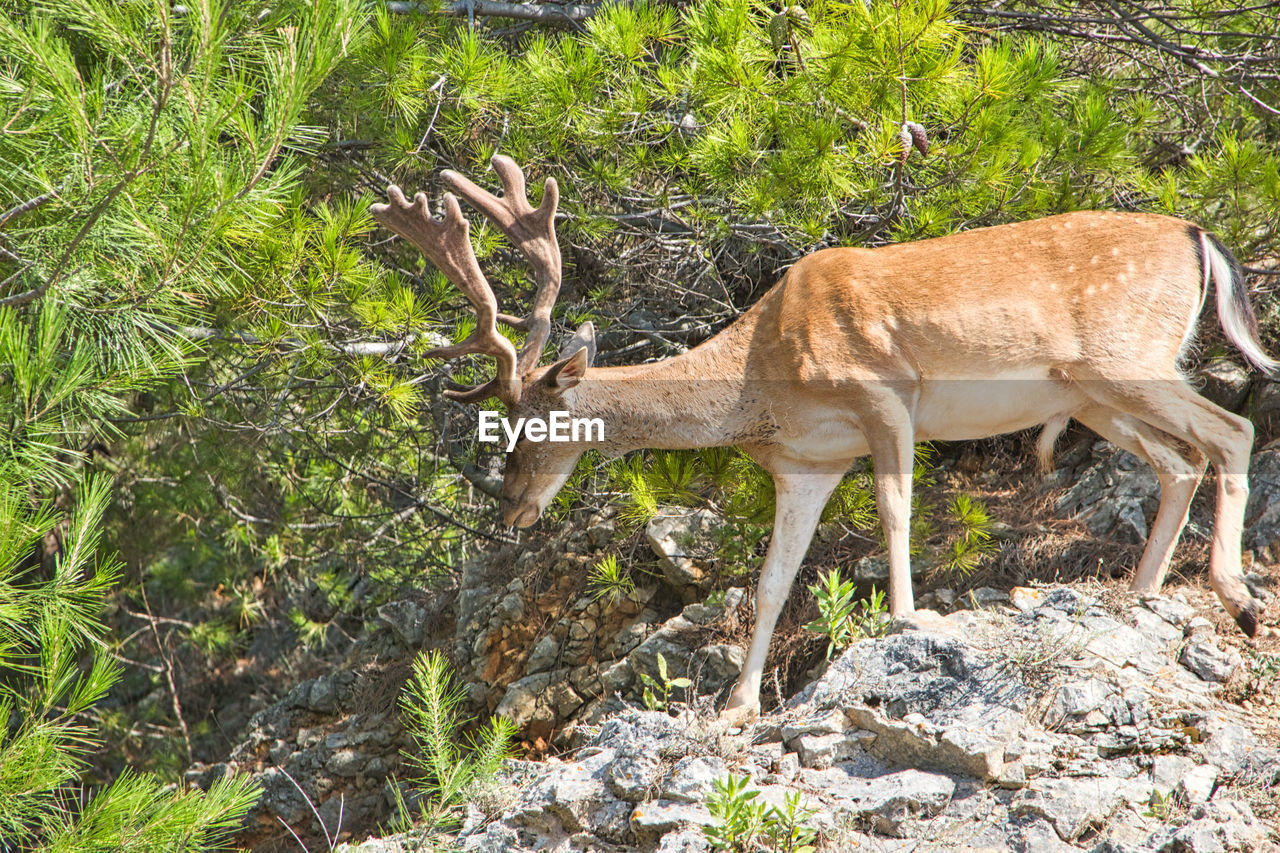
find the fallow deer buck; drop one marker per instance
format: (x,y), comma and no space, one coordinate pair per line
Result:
(856,351)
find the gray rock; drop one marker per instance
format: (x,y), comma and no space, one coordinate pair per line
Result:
(1225,383)
(1072,805)
(634,777)
(1264,408)
(1198,783)
(346,762)
(940,600)
(406,620)
(1219,827)
(1168,770)
(889,800)
(1175,611)
(692,779)
(875,569)
(1229,747)
(1114,498)
(971,706)
(520,704)
(644,731)
(1070,601)
(1120,721)
(682,642)
(984,597)
(1262,512)
(683,539)
(822,751)
(574,797)
(322,696)
(828,722)
(1154,627)
(1261,767)
(544,654)
(1199,628)
(663,816)
(716,666)
(618,677)
(1209,662)
(600,533)
(512,607)
(1038,836)
(687,841)
(495,838)
(1082,706)
(788,767)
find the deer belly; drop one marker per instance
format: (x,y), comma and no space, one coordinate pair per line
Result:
(955,409)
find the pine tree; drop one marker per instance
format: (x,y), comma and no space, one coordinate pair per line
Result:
(139,139)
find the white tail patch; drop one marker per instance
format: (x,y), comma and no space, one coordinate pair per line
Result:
(1232,308)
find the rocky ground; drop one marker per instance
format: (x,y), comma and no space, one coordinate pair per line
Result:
(1023,719)
(1045,722)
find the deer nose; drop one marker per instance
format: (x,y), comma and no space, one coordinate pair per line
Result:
(520,516)
(509,509)
(515,513)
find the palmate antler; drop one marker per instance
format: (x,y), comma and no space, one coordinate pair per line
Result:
(446,243)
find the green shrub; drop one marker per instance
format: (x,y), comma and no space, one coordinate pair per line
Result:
(842,618)
(740,824)
(447,770)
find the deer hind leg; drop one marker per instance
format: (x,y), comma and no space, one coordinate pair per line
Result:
(1171,406)
(1180,469)
(800,499)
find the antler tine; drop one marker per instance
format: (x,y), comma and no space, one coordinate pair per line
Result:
(533,231)
(447,244)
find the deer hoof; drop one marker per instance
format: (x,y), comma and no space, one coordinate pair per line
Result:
(923,620)
(1247,619)
(740,715)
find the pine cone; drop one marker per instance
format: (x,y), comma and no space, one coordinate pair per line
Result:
(918,137)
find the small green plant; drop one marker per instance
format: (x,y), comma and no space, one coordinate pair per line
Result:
(741,824)
(1262,673)
(1161,806)
(609,581)
(842,617)
(247,607)
(213,637)
(311,633)
(786,827)
(738,819)
(574,488)
(657,691)
(974,541)
(640,502)
(449,772)
(854,502)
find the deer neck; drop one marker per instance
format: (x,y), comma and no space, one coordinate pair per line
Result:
(697,399)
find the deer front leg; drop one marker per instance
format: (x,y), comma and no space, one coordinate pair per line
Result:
(892,439)
(800,500)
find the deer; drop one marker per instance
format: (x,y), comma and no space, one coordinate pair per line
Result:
(855,351)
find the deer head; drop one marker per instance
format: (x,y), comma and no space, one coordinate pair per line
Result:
(535,471)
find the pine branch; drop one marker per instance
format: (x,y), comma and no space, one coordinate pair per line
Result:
(26,206)
(567,14)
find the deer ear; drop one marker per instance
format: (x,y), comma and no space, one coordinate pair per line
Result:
(567,372)
(584,337)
